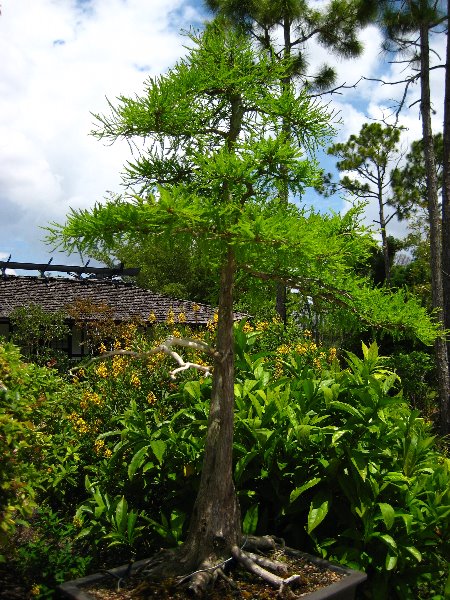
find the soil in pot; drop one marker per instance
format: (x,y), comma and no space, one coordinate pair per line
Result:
(239,584)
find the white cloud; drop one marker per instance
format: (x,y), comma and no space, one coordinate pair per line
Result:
(61,58)
(59,61)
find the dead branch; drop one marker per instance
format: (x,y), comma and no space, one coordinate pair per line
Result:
(336,90)
(164,348)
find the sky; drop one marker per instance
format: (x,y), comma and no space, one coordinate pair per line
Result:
(62,59)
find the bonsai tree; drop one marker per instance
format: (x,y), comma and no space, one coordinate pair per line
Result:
(213,157)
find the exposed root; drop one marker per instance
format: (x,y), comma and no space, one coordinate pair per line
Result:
(203,579)
(229,581)
(264,543)
(284,585)
(175,565)
(273,565)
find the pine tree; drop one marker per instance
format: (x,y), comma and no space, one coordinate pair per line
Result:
(371,155)
(407,25)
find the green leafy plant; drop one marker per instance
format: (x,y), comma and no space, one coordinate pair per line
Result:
(109,520)
(48,554)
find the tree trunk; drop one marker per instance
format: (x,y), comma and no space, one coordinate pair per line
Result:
(384,240)
(281,292)
(215,524)
(446,197)
(437,295)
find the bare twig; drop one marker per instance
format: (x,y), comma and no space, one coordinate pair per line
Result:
(165,348)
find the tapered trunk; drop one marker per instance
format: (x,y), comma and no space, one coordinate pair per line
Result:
(215,524)
(446,195)
(437,294)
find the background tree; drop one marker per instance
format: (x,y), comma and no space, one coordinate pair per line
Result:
(407,26)
(334,25)
(370,155)
(215,128)
(409,182)
(446,190)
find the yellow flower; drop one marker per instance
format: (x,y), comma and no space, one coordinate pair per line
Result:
(332,354)
(117,345)
(176,333)
(102,348)
(102,370)
(107,453)
(151,398)
(118,366)
(307,333)
(35,589)
(195,307)
(98,446)
(261,325)
(283,349)
(170,319)
(135,381)
(317,363)
(216,317)
(181,317)
(151,317)
(247,328)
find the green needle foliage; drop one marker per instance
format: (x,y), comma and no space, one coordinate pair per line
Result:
(213,154)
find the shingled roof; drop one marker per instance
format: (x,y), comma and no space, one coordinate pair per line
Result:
(126,301)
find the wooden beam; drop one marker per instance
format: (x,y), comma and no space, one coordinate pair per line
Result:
(48,267)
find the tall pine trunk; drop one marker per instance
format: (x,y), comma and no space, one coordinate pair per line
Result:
(446,202)
(384,238)
(437,294)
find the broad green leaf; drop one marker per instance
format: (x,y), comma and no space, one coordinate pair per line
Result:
(247,386)
(414,552)
(318,510)
(391,562)
(159,448)
(250,521)
(299,490)
(388,514)
(388,540)
(337,435)
(122,515)
(345,407)
(193,389)
(138,459)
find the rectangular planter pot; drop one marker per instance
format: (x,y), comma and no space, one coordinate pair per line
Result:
(345,589)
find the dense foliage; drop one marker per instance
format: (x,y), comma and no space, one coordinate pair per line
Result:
(330,458)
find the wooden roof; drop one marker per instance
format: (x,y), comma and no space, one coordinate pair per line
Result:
(125,300)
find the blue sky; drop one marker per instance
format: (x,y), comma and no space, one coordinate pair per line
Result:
(62,58)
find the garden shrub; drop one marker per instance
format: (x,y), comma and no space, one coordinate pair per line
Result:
(330,458)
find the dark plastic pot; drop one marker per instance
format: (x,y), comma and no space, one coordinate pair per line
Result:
(345,589)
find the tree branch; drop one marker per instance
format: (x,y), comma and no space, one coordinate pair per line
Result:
(165,348)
